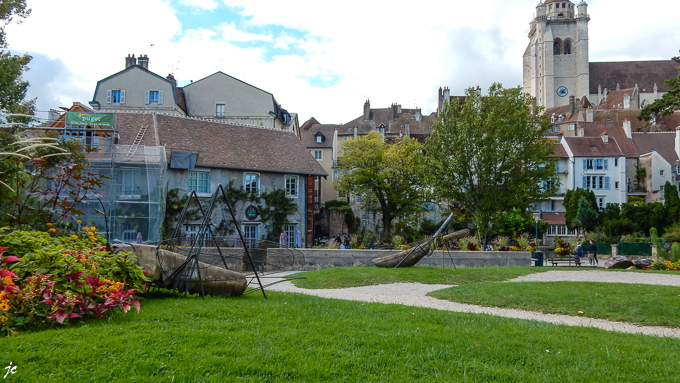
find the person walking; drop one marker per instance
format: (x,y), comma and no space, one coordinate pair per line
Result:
(592,254)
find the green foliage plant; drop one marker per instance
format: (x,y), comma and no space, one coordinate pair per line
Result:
(387,174)
(55,279)
(571,206)
(491,155)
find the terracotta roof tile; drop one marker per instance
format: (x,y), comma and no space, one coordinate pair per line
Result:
(614,99)
(614,130)
(221,144)
(593,147)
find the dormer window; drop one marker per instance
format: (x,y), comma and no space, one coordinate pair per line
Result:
(319,138)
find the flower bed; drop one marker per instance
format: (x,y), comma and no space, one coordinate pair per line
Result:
(48,279)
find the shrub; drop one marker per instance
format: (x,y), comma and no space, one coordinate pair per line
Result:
(54,279)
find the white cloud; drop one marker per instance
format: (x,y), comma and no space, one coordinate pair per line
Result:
(386,51)
(207,5)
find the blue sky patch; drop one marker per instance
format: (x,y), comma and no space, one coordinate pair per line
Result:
(322,80)
(194,18)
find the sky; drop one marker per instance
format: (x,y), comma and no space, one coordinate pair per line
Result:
(319,59)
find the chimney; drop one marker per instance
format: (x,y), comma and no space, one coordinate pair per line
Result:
(572,104)
(446,96)
(580,131)
(172,79)
(605,137)
(143,61)
(408,130)
(626,101)
(419,115)
(394,111)
(398,109)
(130,61)
(367,110)
(627,128)
(589,117)
(356,132)
(677,141)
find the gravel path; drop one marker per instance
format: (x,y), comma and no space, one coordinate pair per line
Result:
(414,294)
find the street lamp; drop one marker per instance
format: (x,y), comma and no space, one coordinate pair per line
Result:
(538,254)
(537,217)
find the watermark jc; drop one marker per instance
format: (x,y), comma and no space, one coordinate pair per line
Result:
(10,370)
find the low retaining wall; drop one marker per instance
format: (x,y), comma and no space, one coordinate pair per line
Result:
(325,258)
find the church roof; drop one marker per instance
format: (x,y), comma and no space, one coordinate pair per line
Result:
(626,74)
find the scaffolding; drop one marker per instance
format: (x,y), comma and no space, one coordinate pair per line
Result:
(132,201)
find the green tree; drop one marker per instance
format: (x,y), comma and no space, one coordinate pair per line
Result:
(671,202)
(277,207)
(389,175)
(668,103)
(12,86)
(571,201)
(491,155)
(586,216)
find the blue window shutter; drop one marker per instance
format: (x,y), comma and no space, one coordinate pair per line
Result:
(585,179)
(606,182)
(584,164)
(605,164)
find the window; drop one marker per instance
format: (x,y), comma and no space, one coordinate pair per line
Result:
(616,185)
(129,185)
(616,162)
(199,182)
(595,164)
(251,182)
(129,233)
(292,186)
(660,172)
(567,48)
(116,96)
(220,110)
(571,127)
(290,231)
(596,182)
(336,174)
(556,48)
(318,154)
(552,205)
(153,97)
(319,139)
(557,127)
(600,202)
(250,235)
(661,187)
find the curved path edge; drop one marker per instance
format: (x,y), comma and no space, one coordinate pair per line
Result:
(415,294)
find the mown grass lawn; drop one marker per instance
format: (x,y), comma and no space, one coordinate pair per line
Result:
(298,338)
(635,303)
(342,277)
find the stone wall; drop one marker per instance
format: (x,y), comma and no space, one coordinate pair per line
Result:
(325,258)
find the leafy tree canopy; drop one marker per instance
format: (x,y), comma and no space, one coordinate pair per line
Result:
(571,205)
(668,103)
(389,175)
(12,86)
(491,155)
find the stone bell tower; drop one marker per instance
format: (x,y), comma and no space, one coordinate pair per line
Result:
(556,60)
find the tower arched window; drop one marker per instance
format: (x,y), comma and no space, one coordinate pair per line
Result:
(560,16)
(567,47)
(556,47)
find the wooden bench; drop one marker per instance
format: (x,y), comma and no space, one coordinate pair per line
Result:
(556,260)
